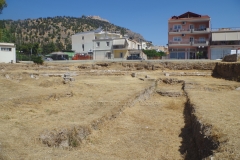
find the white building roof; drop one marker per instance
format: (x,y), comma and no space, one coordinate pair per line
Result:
(118,42)
(7,44)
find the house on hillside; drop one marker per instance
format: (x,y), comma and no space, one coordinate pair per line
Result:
(7,53)
(94,42)
(188,35)
(105,45)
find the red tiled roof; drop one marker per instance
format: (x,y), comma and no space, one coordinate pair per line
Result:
(189,15)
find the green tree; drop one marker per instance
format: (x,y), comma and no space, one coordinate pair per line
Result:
(153,54)
(3,4)
(48,48)
(6,36)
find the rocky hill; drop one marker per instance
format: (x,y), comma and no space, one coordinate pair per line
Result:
(54,30)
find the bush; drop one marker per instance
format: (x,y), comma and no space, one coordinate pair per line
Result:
(153,54)
(37,60)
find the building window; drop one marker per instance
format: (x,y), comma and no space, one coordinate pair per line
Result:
(82,37)
(107,44)
(191,26)
(98,44)
(177,39)
(191,39)
(121,55)
(202,27)
(83,47)
(6,49)
(177,26)
(202,39)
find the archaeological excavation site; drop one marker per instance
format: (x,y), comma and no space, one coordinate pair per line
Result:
(176,110)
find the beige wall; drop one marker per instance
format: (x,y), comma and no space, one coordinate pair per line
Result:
(117,53)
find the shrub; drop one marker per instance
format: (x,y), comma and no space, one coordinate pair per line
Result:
(37,60)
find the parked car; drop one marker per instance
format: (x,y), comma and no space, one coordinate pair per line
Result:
(57,56)
(133,57)
(48,59)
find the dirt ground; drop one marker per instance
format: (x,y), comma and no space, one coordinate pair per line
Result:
(114,115)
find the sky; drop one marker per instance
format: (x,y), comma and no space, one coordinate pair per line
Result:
(146,17)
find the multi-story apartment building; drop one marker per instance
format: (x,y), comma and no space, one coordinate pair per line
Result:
(188,36)
(224,41)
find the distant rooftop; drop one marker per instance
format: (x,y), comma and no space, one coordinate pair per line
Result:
(189,15)
(6,44)
(98,30)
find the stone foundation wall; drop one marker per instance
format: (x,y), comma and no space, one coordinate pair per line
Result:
(230,58)
(227,70)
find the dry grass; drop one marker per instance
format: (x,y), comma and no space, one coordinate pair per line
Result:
(216,103)
(148,130)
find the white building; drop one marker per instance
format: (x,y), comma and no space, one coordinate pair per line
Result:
(223,41)
(105,45)
(7,53)
(85,42)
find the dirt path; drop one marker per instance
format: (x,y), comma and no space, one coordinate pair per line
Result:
(148,130)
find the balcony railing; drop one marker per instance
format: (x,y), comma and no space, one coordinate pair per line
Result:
(180,42)
(190,30)
(188,42)
(226,29)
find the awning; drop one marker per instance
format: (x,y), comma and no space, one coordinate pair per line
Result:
(231,36)
(119,42)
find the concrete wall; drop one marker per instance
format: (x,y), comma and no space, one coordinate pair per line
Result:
(102,55)
(87,41)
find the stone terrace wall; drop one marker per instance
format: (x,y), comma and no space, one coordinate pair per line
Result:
(230,58)
(229,71)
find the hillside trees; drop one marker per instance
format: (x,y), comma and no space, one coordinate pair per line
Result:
(3,4)
(51,33)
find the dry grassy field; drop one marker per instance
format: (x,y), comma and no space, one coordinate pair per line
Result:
(105,113)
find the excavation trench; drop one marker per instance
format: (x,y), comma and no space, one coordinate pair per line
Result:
(191,143)
(197,143)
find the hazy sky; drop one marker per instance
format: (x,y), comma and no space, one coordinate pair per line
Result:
(148,17)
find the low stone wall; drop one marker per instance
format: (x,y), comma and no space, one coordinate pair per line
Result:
(155,65)
(227,70)
(230,58)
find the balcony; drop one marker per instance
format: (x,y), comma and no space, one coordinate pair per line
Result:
(197,42)
(186,42)
(189,31)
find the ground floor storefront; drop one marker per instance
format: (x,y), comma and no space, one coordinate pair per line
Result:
(189,53)
(219,52)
